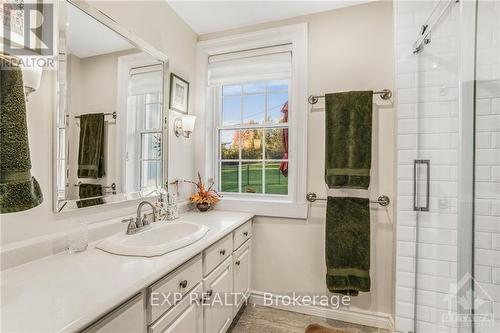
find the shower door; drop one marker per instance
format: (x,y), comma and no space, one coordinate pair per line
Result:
(456,170)
(442,177)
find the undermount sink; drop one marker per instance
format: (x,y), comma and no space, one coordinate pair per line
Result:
(162,238)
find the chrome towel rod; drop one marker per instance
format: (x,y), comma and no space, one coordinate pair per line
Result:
(106,114)
(385,94)
(382,200)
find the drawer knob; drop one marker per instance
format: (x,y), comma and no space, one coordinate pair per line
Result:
(183,284)
(223,252)
(245,233)
(237,262)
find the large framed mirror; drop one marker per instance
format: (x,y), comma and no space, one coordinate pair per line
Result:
(111,121)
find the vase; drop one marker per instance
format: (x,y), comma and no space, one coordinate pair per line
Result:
(203,207)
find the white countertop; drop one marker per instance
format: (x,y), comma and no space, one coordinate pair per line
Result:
(66,292)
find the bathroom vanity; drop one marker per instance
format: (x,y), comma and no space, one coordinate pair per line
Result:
(96,291)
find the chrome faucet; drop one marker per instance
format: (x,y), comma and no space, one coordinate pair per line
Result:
(139,224)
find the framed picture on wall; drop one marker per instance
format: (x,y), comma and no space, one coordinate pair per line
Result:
(179,94)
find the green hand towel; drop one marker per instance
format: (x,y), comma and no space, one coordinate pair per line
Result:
(91,147)
(347,245)
(348,139)
(90,191)
(18,189)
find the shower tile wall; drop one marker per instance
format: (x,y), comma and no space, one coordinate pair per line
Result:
(487,231)
(427,104)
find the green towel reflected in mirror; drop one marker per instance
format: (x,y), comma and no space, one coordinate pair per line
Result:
(18,189)
(91,146)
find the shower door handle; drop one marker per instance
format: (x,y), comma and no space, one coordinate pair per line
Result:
(418,181)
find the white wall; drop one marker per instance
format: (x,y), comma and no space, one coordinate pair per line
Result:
(349,49)
(155,22)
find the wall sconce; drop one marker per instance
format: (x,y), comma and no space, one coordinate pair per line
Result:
(31,79)
(184,126)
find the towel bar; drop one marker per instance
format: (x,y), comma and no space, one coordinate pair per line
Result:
(385,94)
(382,200)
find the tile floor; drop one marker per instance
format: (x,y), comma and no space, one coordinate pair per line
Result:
(259,319)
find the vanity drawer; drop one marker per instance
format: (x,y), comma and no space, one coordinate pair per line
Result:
(177,283)
(217,253)
(186,316)
(243,233)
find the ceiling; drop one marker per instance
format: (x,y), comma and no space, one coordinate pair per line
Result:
(213,16)
(81,36)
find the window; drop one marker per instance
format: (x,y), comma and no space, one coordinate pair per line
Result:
(253,137)
(144,128)
(254,107)
(149,136)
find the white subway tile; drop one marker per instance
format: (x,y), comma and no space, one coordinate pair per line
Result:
(487,223)
(405,188)
(495,106)
(488,123)
(487,257)
(495,207)
(405,264)
(434,109)
(495,242)
(482,273)
(407,95)
(406,80)
(408,141)
(437,252)
(482,240)
(407,126)
(405,279)
(406,111)
(487,157)
(485,190)
(483,140)
(483,106)
(495,173)
(482,206)
(435,267)
(495,140)
(406,233)
(496,275)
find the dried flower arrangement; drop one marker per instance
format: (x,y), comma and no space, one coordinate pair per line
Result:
(204,197)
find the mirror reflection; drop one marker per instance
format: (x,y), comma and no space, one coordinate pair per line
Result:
(110,121)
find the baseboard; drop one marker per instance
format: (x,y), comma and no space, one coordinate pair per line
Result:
(356,316)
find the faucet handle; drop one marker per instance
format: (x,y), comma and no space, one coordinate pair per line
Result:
(131,227)
(128,220)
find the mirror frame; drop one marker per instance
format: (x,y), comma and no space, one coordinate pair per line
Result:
(61,94)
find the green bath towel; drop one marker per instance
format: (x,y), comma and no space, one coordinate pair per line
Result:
(348,139)
(90,191)
(18,189)
(347,245)
(91,146)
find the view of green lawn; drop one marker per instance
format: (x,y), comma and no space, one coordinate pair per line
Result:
(251,174)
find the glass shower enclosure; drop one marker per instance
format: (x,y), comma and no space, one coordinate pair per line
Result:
(456,169)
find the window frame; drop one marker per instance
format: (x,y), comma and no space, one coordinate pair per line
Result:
(206,150)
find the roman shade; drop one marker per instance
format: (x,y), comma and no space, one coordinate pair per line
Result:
(266,63)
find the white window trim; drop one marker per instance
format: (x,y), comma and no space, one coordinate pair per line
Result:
(294,205)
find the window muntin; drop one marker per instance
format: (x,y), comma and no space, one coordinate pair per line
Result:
(253,138)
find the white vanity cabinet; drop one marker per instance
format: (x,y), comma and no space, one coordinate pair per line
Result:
(127,318)
(218,287)
(241,274)
(185,317)
(209,288)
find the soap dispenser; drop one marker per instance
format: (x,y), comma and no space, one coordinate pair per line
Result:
(161,207)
